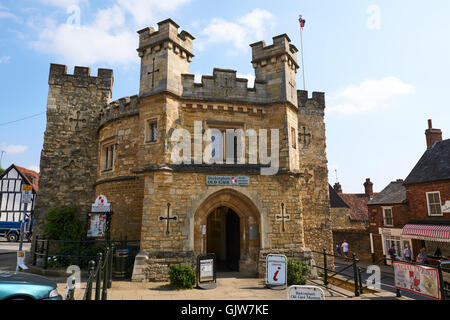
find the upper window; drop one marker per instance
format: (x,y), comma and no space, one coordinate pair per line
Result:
(109,157)
(152,131)
(388,219)
(434,204)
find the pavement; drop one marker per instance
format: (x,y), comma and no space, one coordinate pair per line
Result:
(12,247)
(230,286)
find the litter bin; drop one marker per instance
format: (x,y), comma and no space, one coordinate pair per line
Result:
(120,266)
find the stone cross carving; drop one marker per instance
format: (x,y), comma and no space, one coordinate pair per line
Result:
(306,137)
(153,73)
(77,120)
(283,217)
(307,176)
(168,218)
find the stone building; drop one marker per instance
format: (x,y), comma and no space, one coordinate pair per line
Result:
(125,151)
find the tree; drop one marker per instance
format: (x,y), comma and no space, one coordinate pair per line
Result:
(2,170)
(64,224)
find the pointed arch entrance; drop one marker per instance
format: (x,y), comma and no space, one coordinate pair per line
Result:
(233,230)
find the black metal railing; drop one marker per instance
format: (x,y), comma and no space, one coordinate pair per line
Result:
(328,273)
(77,252)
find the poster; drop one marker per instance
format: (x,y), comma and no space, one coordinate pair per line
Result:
(96,225)
(206,270)
(418,279)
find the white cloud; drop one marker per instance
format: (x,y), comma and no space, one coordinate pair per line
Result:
(107,39)
(368,96)
(5,14)
(111,38)
(250,77)
(249,28)
(12,149)
(34,168)
(5,59)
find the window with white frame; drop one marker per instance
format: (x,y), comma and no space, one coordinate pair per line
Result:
(388,219)
(434,204)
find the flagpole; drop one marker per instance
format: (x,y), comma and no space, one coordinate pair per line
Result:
(301,51)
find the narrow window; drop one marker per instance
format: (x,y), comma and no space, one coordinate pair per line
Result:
(109,157)
(293,138)
(152,130)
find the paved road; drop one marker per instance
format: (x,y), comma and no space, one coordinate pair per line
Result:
(8,262)
(387,281)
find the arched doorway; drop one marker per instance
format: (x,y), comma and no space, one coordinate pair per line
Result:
(231,211)
(223,238)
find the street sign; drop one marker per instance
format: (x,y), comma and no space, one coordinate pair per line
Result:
(418,279)
(305,293)
(227,181)
(21,261)
(206,271)
(276,271)
(27,194)
(101,204)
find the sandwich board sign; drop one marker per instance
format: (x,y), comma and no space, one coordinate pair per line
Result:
(206,274)
(305,293)
(276,271)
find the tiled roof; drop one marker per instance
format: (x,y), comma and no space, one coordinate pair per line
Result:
(394,193)
(335,200)
(433,166)
(29,175)
(358,205)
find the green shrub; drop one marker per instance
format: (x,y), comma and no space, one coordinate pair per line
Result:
(64,224)
(181,277)
(297,272)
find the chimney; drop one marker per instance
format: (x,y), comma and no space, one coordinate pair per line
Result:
(337,187)
(368,187)
(399,180)
(432,135)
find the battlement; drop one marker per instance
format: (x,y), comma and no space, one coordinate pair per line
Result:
(81,77)
(281,50)
(124,107)
(317,99)
(223,85)
(167,37)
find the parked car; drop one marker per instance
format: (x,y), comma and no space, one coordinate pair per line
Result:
(25,286)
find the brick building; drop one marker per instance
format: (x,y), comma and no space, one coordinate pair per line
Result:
(125,151)
(349,214)
(416,212)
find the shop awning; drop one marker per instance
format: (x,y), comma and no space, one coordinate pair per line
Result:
(427,232)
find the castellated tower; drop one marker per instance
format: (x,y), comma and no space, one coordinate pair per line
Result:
(165,56)
(276,64)
(68,166)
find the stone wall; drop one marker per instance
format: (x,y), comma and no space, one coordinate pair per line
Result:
(313,166)
(68,166)
(358,240)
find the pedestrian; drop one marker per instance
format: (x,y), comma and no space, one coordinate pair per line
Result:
(391,252)
(407,253)
(438,252)
(338,250)
(345,248)
(420,257)
(425,256)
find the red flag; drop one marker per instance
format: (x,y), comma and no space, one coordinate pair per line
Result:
(302,22)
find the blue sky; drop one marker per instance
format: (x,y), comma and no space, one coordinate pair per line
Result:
(383,65)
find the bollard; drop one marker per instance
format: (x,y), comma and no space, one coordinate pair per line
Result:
(110,264)
(98,276)
(91,271)
(441,281)
(105,276)
(325,271)
(355,274)
(360,280)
